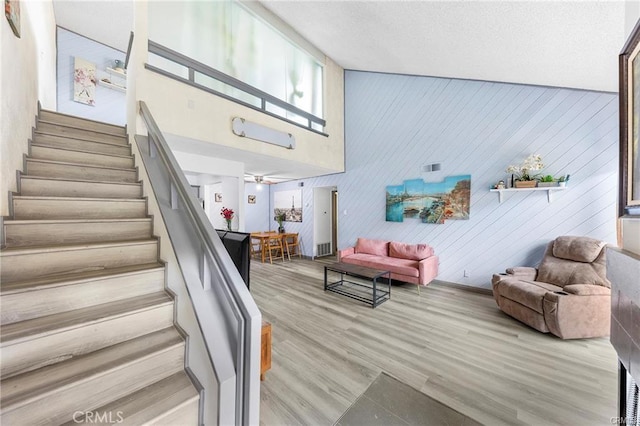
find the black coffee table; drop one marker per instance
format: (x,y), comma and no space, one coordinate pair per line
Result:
(369,294)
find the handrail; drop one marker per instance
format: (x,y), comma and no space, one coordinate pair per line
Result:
(241,318)
(129,46)
(194,66)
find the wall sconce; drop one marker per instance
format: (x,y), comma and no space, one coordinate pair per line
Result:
(247,129)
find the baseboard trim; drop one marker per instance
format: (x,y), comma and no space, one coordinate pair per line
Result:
(481,290)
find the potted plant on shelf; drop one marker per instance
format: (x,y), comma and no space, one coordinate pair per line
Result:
(547,181)
(562,181)
(522,174)
(227,214)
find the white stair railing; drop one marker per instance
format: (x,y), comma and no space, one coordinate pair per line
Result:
(228,317)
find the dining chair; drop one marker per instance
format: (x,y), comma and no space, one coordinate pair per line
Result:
(274,246)
(292,245)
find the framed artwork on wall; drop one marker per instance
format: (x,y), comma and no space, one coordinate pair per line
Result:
(12,12)
(84,82)
(629,80)
(251,199)
(217,197)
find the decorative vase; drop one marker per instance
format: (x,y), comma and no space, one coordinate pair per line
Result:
(525,184)
(281,229)
(228,224)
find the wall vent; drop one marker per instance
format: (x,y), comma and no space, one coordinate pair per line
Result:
(323,249)
(435,167)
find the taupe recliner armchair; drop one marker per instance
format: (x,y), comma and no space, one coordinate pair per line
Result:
(567,295)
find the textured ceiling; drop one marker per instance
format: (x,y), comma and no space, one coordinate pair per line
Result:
(552,43)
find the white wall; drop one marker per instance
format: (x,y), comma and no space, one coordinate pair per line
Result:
(396,124)
(257,215)
(110,105)
(27,75)
(215,175)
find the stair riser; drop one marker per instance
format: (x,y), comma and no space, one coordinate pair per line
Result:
(70,188)
(70,132)
(19,267)
(36,168)
(188,414)
(52,300)
(97,391)
(78,209)
(55,154)
(62,142)
(22,235)
(65,120)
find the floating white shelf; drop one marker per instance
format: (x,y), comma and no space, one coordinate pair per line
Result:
(115,71)
(112,86)
(549,189)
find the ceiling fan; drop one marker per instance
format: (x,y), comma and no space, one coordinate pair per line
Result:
(265,180)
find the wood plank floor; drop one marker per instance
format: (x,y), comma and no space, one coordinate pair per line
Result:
(453,345)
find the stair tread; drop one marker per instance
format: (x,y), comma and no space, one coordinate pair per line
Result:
(75,278)
(152,402)
(66,163)
(44,145)
(18,251)
(89,120)
(79,127)
(112,200)
(22,388)
(47,133)
(26,330)
(23,176)
(71,221)
(47,221)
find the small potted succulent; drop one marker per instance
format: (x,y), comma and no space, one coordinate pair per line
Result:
(562,181)
(547,181)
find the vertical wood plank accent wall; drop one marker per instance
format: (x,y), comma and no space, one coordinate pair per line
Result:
(397,123)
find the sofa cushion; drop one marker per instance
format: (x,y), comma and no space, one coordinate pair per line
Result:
(377,247)
(527,293)
(579,249)
(399,266)
(409,251)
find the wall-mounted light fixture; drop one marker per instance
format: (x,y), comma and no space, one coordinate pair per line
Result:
(247,129)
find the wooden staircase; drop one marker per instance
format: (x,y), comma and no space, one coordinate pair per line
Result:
(87,328)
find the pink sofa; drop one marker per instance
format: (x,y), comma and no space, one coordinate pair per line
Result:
(411,263)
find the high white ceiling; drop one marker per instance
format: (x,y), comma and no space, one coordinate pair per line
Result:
(564,43)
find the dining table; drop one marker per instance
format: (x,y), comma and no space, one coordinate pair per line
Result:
(263,238)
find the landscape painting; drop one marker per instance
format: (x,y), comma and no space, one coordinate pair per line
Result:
(288,203)
(431,202)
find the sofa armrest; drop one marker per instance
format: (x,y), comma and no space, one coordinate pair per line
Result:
(587,290)
(523,272)
(427,269)
(346,252)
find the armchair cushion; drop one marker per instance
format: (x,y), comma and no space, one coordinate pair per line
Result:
(527,293)
(587,290)
(578,249)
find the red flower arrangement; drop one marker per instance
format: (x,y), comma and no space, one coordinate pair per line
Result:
(227,214)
